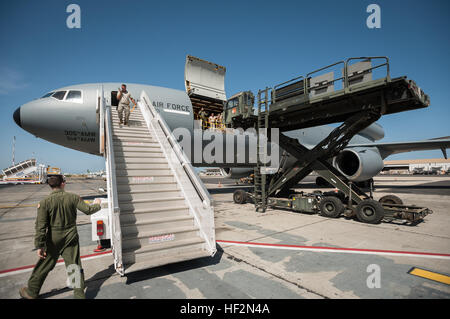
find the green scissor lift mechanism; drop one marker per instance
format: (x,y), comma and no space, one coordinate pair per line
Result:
(295,104)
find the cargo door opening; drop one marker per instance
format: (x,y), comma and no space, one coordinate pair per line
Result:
(205,86)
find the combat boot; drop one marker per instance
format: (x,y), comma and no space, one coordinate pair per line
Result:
(24,293)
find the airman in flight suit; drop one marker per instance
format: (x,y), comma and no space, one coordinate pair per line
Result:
(56,234)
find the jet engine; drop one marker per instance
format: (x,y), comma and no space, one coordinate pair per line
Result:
(235,173)
(359,164)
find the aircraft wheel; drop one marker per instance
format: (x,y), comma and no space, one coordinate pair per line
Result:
(331,206)
(391,199)
(370,211)
(240,196)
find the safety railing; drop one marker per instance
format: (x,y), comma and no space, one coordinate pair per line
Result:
(101,108)
(195,193)
(305,88)
(308,76)
(113,201)
(388,72)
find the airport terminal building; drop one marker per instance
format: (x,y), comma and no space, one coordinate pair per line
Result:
(418,166)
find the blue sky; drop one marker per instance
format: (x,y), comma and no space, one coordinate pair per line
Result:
(260,43)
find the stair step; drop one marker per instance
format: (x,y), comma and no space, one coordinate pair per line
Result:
(153,203)
(145,238)
(134,144)
(135,148)
(143,172)
(157,213)
(163,260)
(119,134)
(150,219)
(163,245)
(140,160)
(137,131)
(134,139)
(123,197)
(130,128)
(134,113)
(153,200)
(137,188)
(135,180)
(131,123)
(146,225)
(139,154)
(136,166)
(134,118)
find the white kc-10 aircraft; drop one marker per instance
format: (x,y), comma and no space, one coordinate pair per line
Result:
(68,116)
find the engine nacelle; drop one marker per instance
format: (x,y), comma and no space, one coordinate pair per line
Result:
(359,164)
(236,172)
(373,132)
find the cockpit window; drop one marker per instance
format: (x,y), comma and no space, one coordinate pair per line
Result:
(47,95)
(59,95)
(74,96)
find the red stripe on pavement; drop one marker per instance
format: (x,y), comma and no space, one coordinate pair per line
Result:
(59,261)
(334,248)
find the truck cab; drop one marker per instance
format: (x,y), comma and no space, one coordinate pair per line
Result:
(238,109)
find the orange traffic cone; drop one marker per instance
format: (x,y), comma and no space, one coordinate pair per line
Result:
(99,248)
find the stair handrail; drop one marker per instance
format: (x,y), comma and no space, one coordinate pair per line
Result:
(113,201)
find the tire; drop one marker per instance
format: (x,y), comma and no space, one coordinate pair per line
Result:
(338,194)
(240,196)
(391,199)
(370,211)
(331,206)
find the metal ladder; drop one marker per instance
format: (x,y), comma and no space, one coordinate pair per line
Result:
(260,178)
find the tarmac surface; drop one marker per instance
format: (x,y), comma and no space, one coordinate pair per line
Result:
(278,254)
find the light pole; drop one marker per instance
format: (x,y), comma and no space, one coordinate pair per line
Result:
(14,151)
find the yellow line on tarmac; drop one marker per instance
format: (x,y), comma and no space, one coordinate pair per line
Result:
(14,206)
(430,275)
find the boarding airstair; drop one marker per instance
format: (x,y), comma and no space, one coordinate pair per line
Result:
(161,212)
(21,169)
(25,172)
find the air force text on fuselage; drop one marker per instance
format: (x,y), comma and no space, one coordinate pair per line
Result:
(171,107)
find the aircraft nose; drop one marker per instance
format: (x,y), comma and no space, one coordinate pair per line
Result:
(16,117)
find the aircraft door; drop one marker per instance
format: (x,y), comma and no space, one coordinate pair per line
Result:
(114,100)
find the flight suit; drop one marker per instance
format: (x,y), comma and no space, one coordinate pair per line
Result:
(56,233)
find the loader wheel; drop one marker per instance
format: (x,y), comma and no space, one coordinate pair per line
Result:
(391,199)
(331,206)
(370,211)
(240,196)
